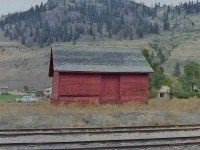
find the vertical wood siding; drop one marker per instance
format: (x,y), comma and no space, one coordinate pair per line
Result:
(72,87)
(110,88)
(134,87)
(55,87)
(79,87)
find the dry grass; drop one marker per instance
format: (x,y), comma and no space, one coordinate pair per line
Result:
(43,115)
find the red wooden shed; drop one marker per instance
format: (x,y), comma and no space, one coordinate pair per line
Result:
(93,73)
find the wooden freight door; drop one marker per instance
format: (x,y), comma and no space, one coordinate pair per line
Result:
(110,88)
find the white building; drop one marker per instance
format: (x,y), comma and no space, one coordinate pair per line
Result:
(48,92)
(163,92)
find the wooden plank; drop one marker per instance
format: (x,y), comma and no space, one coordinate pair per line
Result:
(110,88)
(134,87)
(79,85)
(79,99)
(55,86)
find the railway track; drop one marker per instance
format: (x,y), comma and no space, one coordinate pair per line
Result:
(98,130)
(113,143)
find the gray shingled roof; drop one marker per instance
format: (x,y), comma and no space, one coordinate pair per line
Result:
(99,59)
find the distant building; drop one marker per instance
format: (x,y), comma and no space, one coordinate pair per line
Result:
(48,92)
(3,90)
(39,93)
(42,93)
(164,92)
(195,88)
(103,74)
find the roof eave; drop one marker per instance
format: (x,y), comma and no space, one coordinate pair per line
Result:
(106,72)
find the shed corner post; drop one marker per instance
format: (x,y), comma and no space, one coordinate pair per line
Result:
(55,88)
(147,93)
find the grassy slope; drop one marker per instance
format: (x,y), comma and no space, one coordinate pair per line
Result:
(181,47)
(32,63)
(187,49)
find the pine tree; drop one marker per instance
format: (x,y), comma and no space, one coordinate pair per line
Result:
(177,70)
(23,41)
(109,34)
(94,36)
(159,52)
(152,56)
(155,28)
(162,59)
(116,19)
(131,33)
(166,25)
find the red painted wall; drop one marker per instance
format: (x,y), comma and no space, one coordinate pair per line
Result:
(55,85)
(79,87)
(71,87)
(110,89)
(134,87)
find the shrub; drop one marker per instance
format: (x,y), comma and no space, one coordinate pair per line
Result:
(152,93)
(186,95)
(183,95)
(193,94)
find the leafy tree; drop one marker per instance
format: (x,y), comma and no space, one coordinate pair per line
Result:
(168,80)
(192,73)
(176,88)
(184,85)
(146,54)
(157,79)
(192,70)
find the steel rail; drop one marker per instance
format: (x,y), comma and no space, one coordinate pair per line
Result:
(98,128)
(131,146)
(98,132)
(103,141)
(114,141)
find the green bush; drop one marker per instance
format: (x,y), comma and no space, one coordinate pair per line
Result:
(152,93)
(193,94)
(186,95)
(183,95)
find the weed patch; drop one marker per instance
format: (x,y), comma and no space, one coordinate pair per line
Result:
(47,115)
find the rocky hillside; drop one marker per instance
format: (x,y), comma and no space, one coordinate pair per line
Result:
(170,33)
